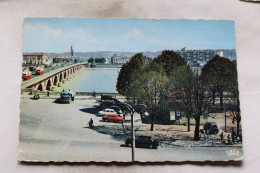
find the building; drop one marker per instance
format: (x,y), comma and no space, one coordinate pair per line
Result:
(196,58)
(119,59)
(37,58)
(63,59)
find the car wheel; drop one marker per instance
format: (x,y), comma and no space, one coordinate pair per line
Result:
(150,146)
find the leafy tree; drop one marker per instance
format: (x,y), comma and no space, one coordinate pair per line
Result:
(233,99)
(149,88)
(124,77)
(191,94)
(91,60)
(219,72)
(100,60)
(169,60)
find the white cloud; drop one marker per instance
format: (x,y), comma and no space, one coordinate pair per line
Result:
(81,35)
(49,31)
(42,29)
(137,34)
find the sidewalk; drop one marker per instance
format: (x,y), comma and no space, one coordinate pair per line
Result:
(202,143)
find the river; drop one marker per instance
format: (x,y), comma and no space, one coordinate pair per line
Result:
(98,80)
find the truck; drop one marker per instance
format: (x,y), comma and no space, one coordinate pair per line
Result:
(66,97)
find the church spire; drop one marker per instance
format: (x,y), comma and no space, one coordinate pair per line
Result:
(71,50)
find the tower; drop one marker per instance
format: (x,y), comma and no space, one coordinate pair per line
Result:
(71,50)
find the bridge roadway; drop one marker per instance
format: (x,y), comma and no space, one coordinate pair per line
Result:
(47,75)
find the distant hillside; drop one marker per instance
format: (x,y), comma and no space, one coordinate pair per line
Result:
(109,54)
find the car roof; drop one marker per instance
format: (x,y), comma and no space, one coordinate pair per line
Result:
(109,109)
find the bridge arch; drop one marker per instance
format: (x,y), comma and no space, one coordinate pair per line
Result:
(48,85)
(61,77)
(65,74)
(56,80)
(40,87)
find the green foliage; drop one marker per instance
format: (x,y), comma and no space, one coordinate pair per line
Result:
(169,60)
(221,73)
(91,60)
(124,77)
(189,94)
(100,60)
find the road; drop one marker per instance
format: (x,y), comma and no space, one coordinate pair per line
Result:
(57,132)
(46,70)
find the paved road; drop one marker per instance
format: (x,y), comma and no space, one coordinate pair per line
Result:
(47,69)
(50,131)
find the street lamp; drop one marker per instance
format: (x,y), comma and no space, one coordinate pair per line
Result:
(132,109)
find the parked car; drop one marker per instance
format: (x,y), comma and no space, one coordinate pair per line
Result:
(105,112)
(211,127)
(113,118)
(117,109)
(143,142)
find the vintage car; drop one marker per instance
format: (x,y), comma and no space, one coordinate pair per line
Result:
(211,127)
(117,109)
(105,112)
(113,118)
(143,142)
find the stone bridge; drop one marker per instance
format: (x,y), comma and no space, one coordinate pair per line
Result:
(52,79)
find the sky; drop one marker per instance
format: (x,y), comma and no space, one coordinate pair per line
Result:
(56,35)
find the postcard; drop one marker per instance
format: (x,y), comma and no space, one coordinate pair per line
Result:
(110,89)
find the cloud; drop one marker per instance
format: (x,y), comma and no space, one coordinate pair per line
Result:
(42,29)
(138,35)
(81,35)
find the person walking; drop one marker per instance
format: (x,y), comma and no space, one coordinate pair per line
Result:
(228,138)
(233,134)
(90,123)
(221,137)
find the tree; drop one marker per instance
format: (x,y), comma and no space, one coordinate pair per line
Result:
(100,60)
(91,60)
(169,60)
(124,77)
(233,99)
(192,95)
(149,89)
(219,72)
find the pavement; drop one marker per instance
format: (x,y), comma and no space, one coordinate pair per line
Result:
(59,132)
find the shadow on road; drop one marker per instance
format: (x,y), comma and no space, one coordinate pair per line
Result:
(116,132)
(94,110)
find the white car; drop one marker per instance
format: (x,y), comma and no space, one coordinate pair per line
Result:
(105,112)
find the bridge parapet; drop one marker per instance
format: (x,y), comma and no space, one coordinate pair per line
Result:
(48,75)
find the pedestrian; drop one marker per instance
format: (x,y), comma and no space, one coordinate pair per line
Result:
(48,93)
(207,134)
(221,137)
(202,133)
(90,123)
(228,138)
(233,134)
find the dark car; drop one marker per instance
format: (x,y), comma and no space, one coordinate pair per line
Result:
(143,142)
(211,127)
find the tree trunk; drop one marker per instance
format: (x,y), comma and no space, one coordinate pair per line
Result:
(152,122)
(238,116)
(213,98)
(188,124)
(238,121)
(221,99)
(197,129)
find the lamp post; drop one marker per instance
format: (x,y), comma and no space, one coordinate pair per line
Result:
(132,110)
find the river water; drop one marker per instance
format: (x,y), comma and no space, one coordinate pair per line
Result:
(98,80)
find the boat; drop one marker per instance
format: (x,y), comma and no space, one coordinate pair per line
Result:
(27,75)
(39,71)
